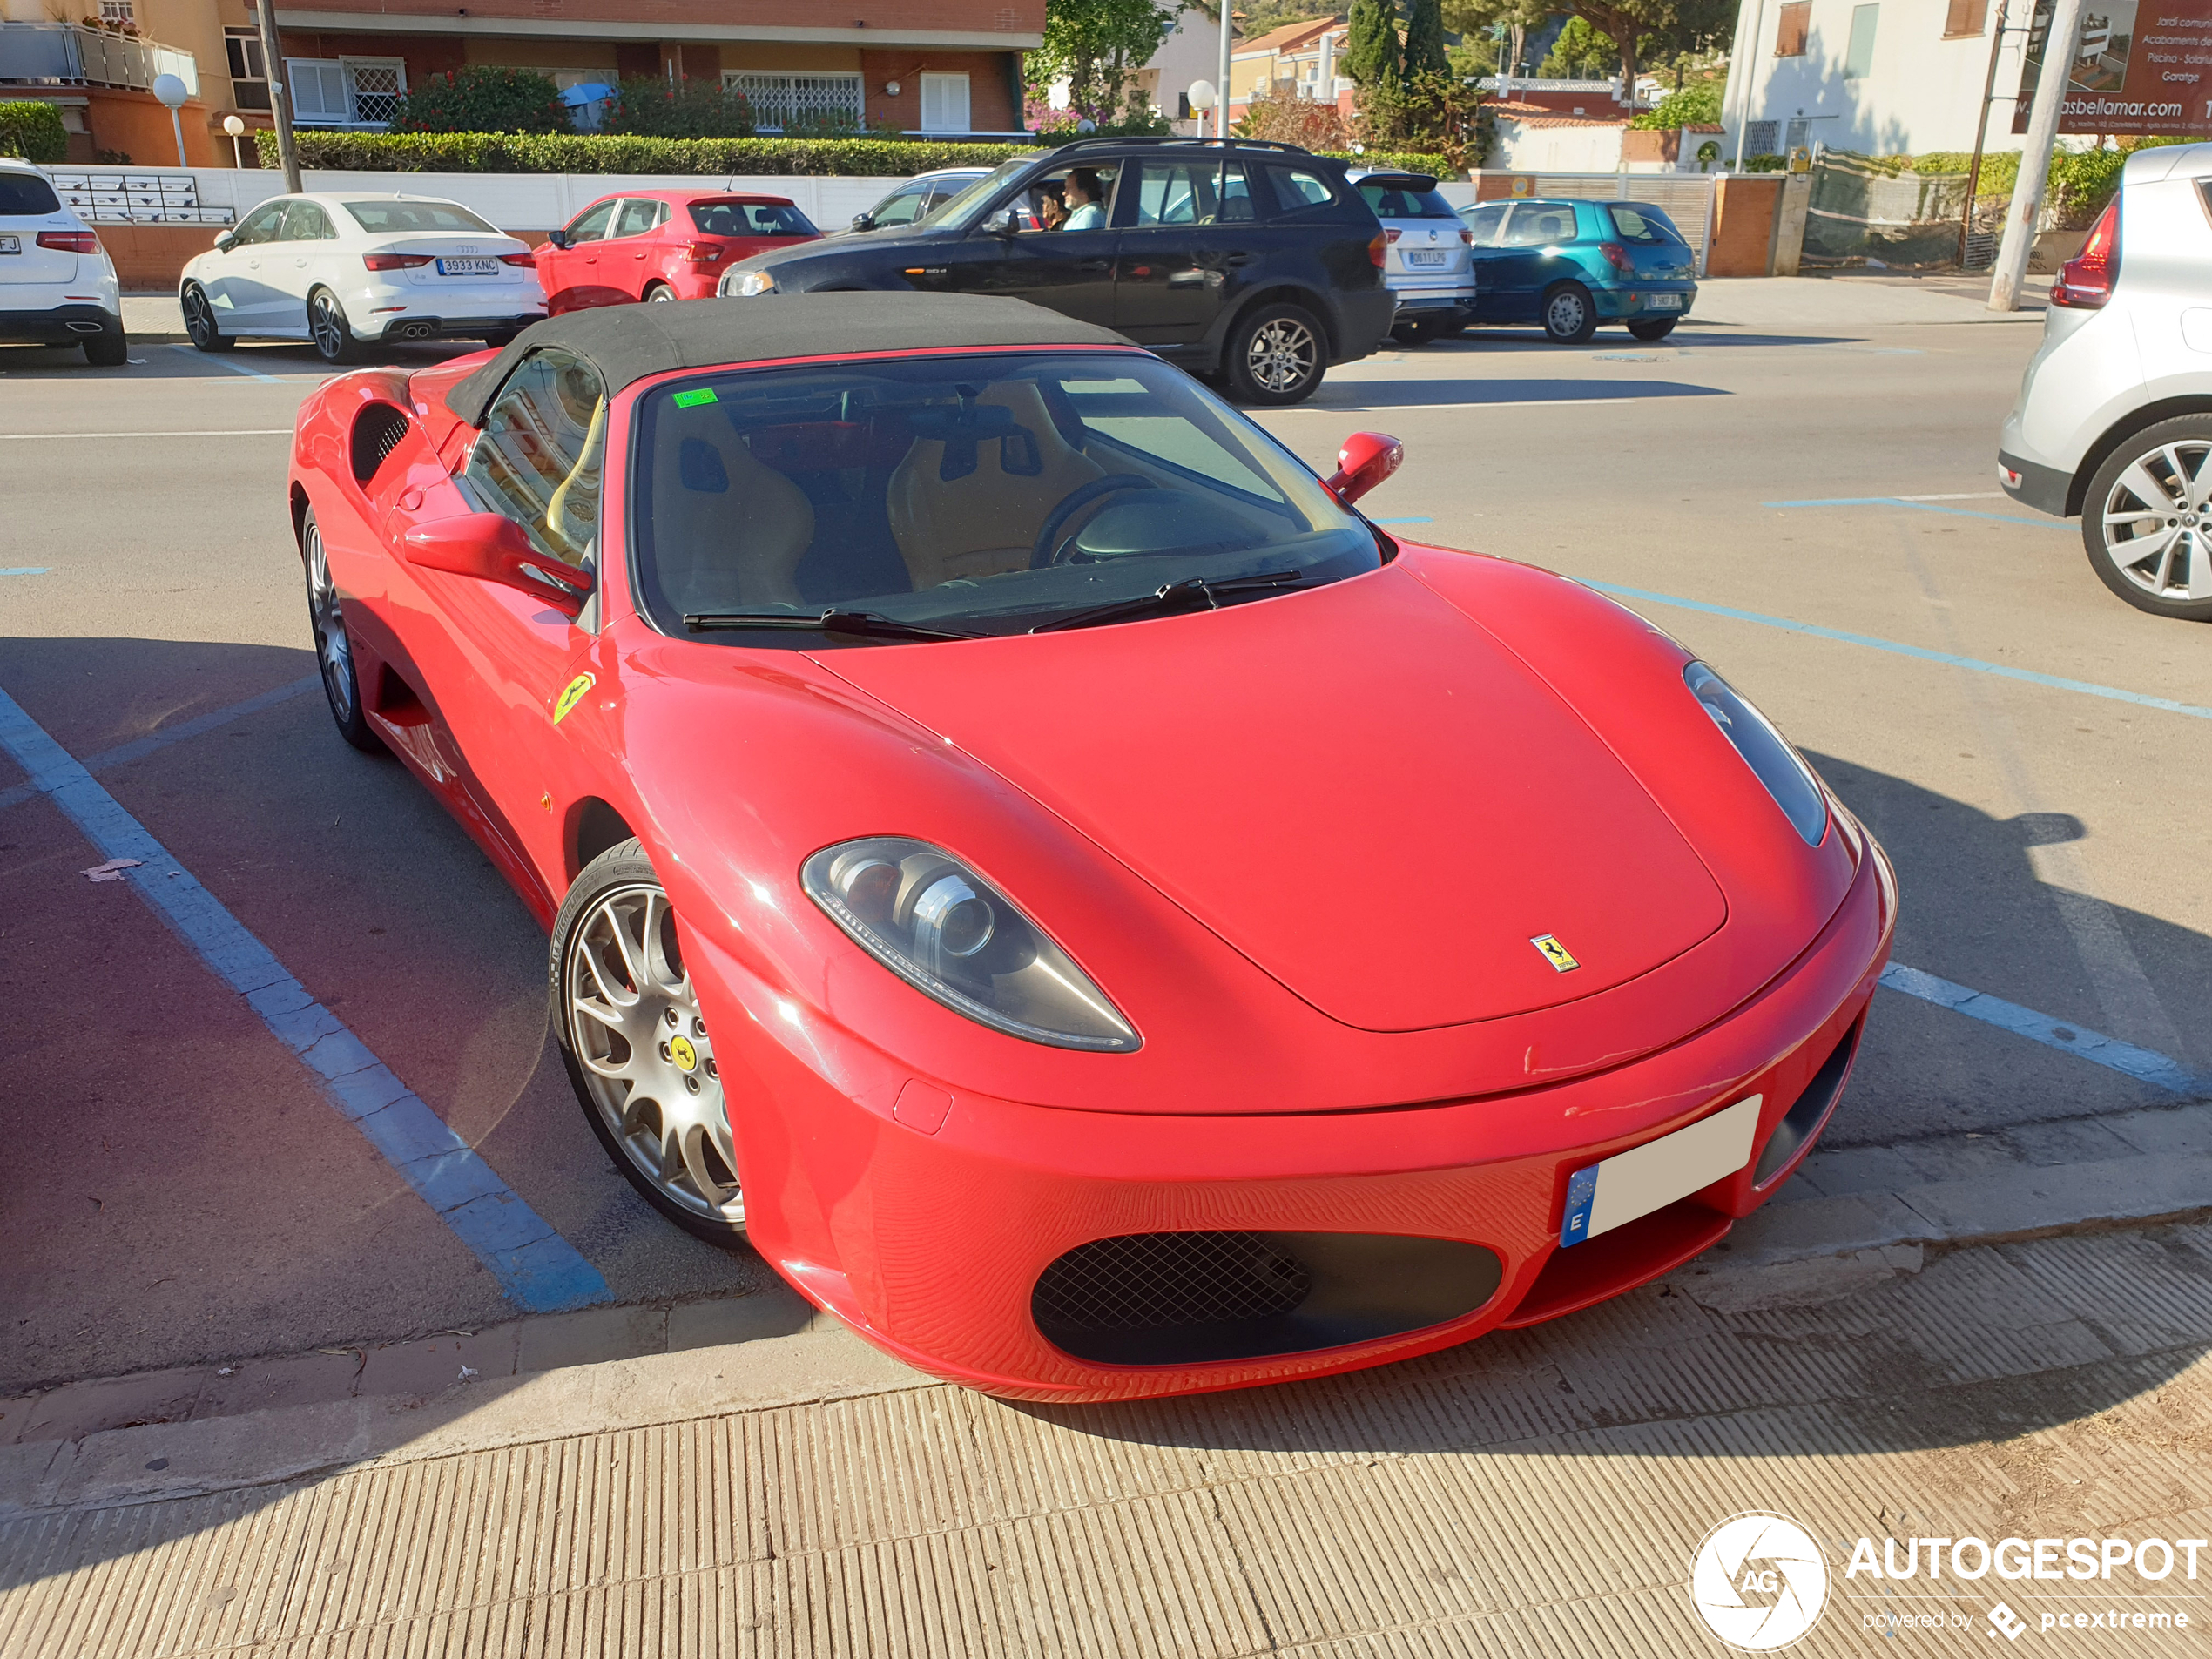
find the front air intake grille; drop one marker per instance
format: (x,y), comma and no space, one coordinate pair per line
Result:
(1188,1298)
(1169,1279)
(377,430)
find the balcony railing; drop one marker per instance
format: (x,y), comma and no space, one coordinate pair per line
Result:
(62,54)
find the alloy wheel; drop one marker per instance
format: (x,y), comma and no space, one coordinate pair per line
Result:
(1565,313)
(635,1028)
(199,317)
(659,295)
(1282,356)
(328,324)
(2157,520)
(333,653)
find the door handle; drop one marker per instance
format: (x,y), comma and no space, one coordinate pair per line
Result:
(1092,265)
(1238,259)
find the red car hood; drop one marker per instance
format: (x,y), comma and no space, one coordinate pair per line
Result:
(1358,788)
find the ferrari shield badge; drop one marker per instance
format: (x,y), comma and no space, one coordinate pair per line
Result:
(1555,953)
(572,694)
(680,1050)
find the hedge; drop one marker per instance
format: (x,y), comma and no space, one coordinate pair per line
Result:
(624,153)
(31,128)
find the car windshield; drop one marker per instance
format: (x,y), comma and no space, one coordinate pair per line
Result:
(970,202)
(1405,198)
(750,219)
(379,219)
(987,494)
(25,193)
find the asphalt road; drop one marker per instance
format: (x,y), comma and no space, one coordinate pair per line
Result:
(176,1190)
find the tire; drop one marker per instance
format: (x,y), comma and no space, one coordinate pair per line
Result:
(110,348)
(659,294)
(341,686)
(2146,519)
(664,1122)
(199,319)
(1569,314)
(327,327)
(1654,328)
(1275,355)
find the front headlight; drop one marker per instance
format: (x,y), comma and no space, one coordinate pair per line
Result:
(948,932)
(1765,751)
(747,283)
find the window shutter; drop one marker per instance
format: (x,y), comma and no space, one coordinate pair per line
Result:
(317,89)
(944,103)
(1964,18)
(1790,33)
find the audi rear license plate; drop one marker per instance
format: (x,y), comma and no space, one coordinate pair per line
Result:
(1606,1195)
(1424,257)
(467,267)
(10,244)
(1666,302)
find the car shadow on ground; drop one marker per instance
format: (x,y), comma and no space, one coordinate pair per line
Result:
(1395,393)
(1690,336)
(173,359)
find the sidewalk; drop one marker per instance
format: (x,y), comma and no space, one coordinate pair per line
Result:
(1854,301)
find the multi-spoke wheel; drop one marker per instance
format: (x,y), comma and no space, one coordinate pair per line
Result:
(1275,355)
(327,327)
(1569,314)
(333,652)
(2146,519)
(636,1046)
(199,319)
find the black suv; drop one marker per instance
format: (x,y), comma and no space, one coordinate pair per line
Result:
(1252,262)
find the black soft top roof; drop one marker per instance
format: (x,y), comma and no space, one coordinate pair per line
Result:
(627,343)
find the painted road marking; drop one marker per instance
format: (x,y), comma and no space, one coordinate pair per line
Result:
(235,432)
(2001,670)
(1515,403)
(2145,1065)
(139,748)
(234,368)
(29,569)
(1925,504)
(538,1269)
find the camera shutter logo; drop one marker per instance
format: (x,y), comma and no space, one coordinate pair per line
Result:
(1759,1582)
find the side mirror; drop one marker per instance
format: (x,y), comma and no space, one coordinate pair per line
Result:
(223,240)
(864,221)
(1002,223)
(1366,459)
(493,547)
(558,238)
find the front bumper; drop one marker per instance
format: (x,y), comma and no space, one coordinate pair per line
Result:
(63,325)
(928,1231)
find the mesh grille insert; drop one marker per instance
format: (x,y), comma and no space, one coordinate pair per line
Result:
(377,432)
(1145,1280)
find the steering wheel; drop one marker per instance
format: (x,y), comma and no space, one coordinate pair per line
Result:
(1045,552)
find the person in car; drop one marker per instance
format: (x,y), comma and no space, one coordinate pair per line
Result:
(1081,193)
(1052,212)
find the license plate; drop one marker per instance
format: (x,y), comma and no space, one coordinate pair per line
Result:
(10,244)
(1425,258)
(1606,1195)
(1666,302)
(467,267)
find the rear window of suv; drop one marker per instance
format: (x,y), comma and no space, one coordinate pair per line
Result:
(1403,198)
(1309,192)
(25,194)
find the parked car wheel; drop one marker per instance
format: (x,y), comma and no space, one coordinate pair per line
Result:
(1570,316)
(110,348)
(2146,519)
(327,327)
(1275,355)
(199,319)
(1654,328)
(659,293)
(333,651)
(636,1048)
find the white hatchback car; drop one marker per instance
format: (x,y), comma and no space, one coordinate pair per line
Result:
(2113,420)
(58,284)
(346,267)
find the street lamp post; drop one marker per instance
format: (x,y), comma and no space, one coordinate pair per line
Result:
(232,125)
(2061,39)
(288,153)
(1201,98)
(173,91)
(1221,105)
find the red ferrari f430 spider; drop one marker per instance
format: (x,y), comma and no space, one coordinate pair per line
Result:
(1098,915)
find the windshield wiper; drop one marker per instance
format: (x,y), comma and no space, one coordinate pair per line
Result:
(833,621)
(1171,594)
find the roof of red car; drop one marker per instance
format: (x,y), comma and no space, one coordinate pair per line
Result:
(627,343)
(681,195)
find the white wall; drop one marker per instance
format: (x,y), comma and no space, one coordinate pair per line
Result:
(1924,93)
(1525,148)
(1190,53)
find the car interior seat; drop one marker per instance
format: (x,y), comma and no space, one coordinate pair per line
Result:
(969,497)
(728,532)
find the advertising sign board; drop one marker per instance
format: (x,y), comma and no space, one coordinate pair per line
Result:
(2141,67)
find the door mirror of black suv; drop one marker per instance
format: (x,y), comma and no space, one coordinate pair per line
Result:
(1002,223)
(864,221)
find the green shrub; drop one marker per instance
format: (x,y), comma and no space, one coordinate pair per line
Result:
(1765,164)
(1693,106)
(645,107)
(482,98)
(31,128)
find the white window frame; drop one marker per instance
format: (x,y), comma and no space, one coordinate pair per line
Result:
(776,93)
(348,113)
(942,83)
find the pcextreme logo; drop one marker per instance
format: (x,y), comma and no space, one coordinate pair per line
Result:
(1759,1582)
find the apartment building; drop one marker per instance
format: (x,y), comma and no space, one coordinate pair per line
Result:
(1297,60)
(97,61)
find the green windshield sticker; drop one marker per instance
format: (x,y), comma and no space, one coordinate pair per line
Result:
(692,400)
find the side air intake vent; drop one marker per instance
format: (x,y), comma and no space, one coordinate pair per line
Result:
(377,430)
(1187,1298)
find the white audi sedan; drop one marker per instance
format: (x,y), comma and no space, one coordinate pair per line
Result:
(348,268)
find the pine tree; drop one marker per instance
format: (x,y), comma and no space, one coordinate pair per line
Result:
(1425,40)
(1371,42)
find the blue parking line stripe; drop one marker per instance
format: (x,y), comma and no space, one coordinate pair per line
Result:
(1923,507)
(29,569)
(1949,659)
(232,364)
(2145,1065)
(539,1270)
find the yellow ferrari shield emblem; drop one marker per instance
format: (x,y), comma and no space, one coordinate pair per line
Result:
(1555,953)
(572,694)
(680,1050)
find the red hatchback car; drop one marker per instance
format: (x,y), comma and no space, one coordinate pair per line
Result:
(661,244)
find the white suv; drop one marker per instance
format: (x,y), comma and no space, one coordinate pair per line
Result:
(58,284)
(1428,264)
(2113,420)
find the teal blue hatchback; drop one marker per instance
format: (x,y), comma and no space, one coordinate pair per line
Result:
(1570,266)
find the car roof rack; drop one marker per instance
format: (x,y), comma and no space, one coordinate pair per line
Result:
(1246,144)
